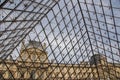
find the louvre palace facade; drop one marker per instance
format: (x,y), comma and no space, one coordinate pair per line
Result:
(33,64)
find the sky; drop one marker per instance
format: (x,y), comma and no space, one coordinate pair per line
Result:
(103,41)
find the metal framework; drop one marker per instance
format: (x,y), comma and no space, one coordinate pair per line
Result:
(73,30)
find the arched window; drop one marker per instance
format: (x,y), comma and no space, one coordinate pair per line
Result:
(24,56)
(33,57)
(32,75)
(7,75)
(1,75)
(26,75)
(17,75)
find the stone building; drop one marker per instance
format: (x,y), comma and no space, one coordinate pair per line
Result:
(33,63)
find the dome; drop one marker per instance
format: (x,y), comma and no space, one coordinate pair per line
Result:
(34,44)
(96,59)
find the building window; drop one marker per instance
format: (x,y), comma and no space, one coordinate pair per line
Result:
(33,57)
(24,57)
(1,76)
(32,74)
(9,75)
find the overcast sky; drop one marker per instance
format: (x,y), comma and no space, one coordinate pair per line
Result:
(66,42)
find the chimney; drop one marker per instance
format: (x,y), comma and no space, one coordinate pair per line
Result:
(23,45)
(44,46)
